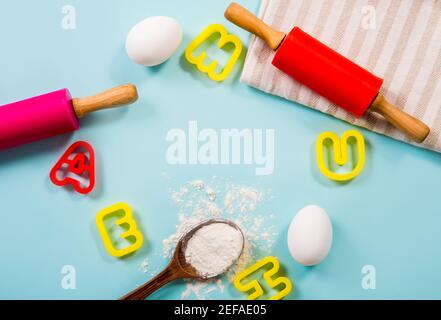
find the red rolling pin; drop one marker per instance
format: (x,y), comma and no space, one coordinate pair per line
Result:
(327,72)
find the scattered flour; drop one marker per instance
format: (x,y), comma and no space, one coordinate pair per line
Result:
(144,266)
(199,201)
(202,289)
(214,248)
(198,184)
(211,194)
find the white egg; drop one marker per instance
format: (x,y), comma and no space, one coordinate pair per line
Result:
(153,40)
(310,236)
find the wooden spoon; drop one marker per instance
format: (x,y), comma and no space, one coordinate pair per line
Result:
(178,268)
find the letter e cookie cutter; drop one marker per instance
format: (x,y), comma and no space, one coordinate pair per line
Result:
(131,229)
(273,282)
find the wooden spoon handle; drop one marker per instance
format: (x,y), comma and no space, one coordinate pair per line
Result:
(112,98)
(248,21)
(411,126)
(148,288)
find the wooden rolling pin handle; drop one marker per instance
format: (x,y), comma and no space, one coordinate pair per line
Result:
(411,126)
(241,17)
(116,97)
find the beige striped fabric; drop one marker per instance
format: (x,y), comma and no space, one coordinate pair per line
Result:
(398,40)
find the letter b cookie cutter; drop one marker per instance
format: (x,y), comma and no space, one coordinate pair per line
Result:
(199,61)
(340,147)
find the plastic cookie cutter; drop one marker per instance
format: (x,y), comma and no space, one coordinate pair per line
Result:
(272,266)
(210,68)
(341,154)
(126,221)
(76,167)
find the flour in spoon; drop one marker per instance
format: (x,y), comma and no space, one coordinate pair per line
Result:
(248,207)
(214,248)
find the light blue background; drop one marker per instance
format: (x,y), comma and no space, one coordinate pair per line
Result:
(389,217)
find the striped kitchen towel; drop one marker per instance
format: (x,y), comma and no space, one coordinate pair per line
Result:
(398,40)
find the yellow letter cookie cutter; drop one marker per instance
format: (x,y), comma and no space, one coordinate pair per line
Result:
(341,154)
(273,283)
(199,61)
(131,229)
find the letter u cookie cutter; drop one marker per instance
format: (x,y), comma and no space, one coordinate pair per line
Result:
(131,231)
(199,61)
(340,147)
(268,276)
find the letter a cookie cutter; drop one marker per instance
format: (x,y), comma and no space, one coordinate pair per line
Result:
(340,147)
(131,229)
(273,282)
(77,162)
(199,61)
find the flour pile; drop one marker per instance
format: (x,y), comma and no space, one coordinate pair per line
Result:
(199,201)
(213,249)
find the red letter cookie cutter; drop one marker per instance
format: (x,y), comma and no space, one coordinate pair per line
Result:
(75,165)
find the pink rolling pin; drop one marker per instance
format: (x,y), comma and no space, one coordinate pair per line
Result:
(54,113)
